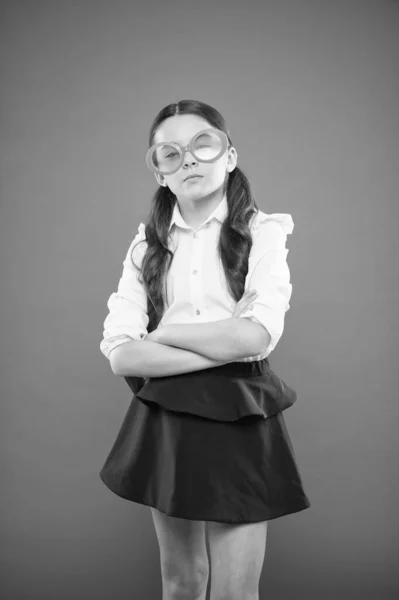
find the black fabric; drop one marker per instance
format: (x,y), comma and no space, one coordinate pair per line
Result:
(211,445)
(224,393)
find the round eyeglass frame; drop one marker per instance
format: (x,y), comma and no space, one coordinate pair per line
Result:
(183,149)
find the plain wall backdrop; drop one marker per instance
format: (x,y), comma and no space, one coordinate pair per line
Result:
(309,89)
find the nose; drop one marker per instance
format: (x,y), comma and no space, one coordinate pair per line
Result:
(189,158)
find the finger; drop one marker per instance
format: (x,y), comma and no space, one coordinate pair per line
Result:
(252,296)
(249,295)
(244,302)
(245,308)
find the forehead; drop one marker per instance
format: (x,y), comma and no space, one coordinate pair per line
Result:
(180,128)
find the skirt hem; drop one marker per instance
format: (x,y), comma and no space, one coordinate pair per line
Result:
(269,516)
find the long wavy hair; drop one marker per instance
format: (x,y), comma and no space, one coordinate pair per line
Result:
(235,241)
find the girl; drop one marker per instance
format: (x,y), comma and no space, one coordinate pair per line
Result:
(199,307)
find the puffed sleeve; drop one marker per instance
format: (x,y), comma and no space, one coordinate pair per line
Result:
(127,318)
(268,273)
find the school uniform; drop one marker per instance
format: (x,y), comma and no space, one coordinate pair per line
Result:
(209,445)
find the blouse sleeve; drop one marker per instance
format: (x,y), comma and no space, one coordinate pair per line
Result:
(268,273)
(127,318)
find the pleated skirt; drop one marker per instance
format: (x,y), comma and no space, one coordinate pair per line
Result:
(210,445)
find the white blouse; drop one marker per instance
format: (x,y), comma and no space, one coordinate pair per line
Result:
(197,289)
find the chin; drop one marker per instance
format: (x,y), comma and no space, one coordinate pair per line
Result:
(196,191)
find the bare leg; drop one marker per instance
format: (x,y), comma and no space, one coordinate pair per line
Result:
(183,556)
(237,554)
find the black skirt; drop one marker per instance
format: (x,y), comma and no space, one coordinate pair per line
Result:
(210,445)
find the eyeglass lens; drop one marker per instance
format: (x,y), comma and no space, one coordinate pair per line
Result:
(167,157)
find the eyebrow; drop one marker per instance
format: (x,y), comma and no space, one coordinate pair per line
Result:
(179,141)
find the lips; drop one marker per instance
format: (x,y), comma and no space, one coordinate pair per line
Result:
(192,176)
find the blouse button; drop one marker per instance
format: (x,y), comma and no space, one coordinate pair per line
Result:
(195,271)
(198,311)
(194,235)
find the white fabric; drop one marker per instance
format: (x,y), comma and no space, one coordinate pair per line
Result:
(197,289)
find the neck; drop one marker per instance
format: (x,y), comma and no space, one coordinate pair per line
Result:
(196,211)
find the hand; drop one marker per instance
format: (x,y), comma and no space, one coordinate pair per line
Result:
(245,302)
(154,336)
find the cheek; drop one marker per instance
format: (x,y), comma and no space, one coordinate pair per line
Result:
(217,169)
(173,182)
(219,172)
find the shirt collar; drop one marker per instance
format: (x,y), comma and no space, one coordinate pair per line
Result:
(220,213)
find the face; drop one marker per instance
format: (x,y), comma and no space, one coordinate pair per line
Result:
(181,128)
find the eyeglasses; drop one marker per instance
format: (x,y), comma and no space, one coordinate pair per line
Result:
(206,146)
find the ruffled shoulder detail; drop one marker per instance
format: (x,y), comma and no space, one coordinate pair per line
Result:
(285,220)
(142,231)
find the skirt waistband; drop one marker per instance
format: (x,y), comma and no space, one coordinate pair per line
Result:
(224,393)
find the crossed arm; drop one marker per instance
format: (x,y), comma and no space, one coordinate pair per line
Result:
(182,348)
(228,339)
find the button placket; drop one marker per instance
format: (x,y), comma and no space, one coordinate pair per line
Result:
(195,236)
(196,291)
